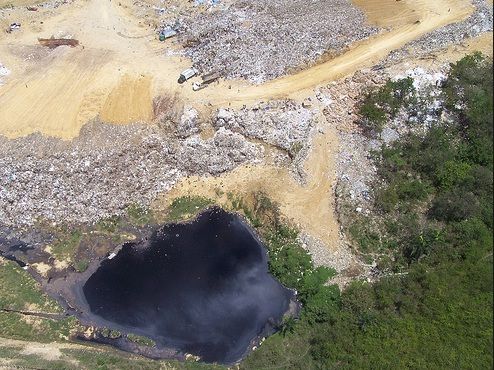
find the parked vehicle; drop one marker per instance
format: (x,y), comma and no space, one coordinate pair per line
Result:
(166,33)
(206,80)
(187,74)
(198,86)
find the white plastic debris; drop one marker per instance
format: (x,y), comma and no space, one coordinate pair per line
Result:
(3,72)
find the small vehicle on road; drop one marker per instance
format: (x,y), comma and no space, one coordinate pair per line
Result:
(187,74)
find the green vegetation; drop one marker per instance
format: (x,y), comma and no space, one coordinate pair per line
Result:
(110,333)
(139,339)
(378,106)
(431,233)
(81,265)
(184,207)
(18,291)
(138,215)
(65,246)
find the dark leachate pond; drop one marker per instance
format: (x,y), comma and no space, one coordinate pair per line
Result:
(202,287)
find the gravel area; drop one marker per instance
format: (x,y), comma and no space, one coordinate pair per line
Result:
(106,169)
(263,40)
(479,22)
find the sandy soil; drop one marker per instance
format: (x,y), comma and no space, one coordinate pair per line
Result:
(120,66)
(17,2)
(58,92)
(387,13)
(109,74)
(129,101)
(309,206)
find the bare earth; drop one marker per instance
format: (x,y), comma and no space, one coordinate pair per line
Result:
(119,68)
(65,89)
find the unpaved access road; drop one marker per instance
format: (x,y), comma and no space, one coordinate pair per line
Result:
(57,93)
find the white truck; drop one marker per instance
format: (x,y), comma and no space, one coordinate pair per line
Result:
(185,75)
(206,80)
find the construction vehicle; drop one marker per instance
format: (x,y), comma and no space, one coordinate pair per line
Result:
(206,80)
(166,33)
(187,74)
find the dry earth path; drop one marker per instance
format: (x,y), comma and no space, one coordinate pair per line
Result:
(56,93)
(419,17)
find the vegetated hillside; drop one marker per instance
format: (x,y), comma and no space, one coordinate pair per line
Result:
(431,232)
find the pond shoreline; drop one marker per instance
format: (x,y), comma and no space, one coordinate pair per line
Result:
(67,290)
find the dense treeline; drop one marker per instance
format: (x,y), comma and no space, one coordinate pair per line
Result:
(432,234)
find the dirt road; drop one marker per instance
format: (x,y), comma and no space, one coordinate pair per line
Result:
(56,93)
(429,14)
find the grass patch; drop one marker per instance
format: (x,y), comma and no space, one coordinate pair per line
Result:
(19,291)
(138,215)
(187,206)
(139,339)
(81,265)
(66,245)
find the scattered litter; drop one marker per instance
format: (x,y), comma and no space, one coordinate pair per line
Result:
(32,8)
(207,2)
(3,72)
(14,26)
(112,255)
(54,43)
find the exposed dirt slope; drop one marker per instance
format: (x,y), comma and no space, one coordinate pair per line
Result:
(431,15)
(57,93)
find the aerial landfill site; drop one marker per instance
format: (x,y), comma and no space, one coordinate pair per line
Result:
(115,115)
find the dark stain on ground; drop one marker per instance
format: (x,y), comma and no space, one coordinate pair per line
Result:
(201,287)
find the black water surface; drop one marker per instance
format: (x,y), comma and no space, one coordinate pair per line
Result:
(202,288)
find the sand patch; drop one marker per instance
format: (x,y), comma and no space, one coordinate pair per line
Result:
(53,98)
(44,351)
(60,265)
(130,101)
(42,268)
(387,13)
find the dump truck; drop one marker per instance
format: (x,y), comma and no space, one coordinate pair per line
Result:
(185,75)
(166,33)
(206,80)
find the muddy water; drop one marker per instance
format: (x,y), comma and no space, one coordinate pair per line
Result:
(201,287)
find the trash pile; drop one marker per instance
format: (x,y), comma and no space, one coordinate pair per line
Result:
(263,40)
(283,123)
(3,72)
(479,22)
(108,167)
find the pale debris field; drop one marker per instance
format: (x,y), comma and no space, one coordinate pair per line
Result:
(57,92)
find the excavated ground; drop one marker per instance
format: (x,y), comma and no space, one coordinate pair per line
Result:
(120,74)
